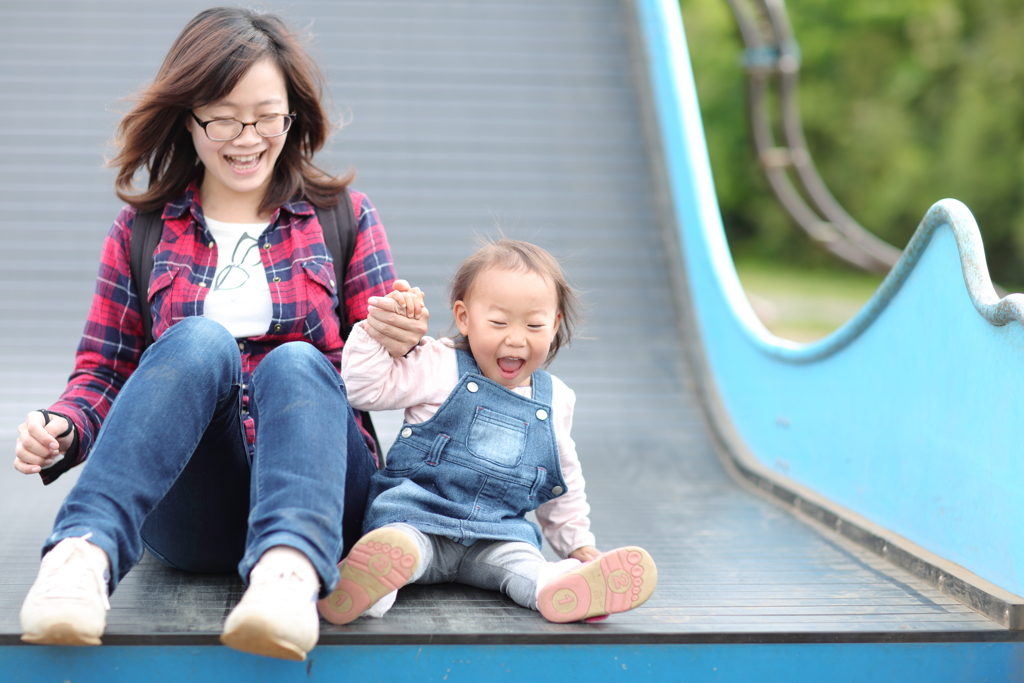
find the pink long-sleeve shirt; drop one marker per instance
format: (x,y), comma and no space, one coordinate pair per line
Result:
(421,381)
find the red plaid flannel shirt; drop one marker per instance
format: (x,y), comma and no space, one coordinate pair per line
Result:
(301,277)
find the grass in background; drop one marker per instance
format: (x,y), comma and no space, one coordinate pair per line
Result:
(804,305)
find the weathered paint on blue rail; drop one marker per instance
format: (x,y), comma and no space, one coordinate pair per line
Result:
(791,663)
(909,414)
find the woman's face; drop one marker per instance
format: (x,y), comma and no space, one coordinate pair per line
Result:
(238,172)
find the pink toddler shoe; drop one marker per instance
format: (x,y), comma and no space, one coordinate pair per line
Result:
(616,581)
(382,561)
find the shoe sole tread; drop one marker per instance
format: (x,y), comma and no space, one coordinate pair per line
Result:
(617,581)
(257,636)
(61,633)
(382,561)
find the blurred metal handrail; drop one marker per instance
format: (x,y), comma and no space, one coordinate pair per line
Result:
(772,52)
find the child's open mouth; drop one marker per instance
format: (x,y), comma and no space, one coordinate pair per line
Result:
(244,163)
(510,367)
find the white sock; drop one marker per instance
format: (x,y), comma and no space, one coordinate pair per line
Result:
(381,607)
(552,570)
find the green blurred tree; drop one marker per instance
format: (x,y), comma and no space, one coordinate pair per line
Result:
(904,102)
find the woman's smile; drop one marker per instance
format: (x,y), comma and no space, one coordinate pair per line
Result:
(245,163)
(238,172)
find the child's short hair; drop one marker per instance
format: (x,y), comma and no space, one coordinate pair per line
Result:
(509,254)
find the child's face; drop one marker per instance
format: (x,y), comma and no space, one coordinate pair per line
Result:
(510,318)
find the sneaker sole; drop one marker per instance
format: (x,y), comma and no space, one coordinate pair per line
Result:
(616,581)
(256,636)
(61,633)
(382,561)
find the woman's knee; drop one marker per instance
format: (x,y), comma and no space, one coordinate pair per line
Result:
(200,331)
(297,360)
(195,344)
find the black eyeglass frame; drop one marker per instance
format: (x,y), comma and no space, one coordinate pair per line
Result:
(203,124)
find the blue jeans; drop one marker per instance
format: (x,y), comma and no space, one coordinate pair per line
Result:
(171,467)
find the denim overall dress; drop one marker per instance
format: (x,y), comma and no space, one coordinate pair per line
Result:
(473,470)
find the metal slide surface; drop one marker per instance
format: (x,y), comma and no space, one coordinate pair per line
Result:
(462,116)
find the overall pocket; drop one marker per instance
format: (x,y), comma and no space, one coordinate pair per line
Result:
(496,438)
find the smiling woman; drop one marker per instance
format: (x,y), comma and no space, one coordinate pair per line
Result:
(241,166)
(244,302)
(228,66)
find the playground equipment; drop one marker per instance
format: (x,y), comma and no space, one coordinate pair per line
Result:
(773,56)
(574,124)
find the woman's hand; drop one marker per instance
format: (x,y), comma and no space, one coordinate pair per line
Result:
(399,320)
(37,446)
(585,554)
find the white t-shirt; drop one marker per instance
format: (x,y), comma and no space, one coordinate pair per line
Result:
(239,298)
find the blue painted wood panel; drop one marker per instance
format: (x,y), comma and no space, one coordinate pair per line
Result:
(795,663)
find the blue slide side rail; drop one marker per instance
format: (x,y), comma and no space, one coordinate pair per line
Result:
(908,414)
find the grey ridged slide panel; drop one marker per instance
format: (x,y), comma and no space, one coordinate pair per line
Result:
(461,116)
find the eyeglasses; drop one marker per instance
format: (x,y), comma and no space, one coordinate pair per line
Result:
(222,130)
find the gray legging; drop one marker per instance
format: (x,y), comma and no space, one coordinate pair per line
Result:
(511,567)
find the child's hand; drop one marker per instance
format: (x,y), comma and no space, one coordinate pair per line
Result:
(585,554)
(409,299)
(399,320)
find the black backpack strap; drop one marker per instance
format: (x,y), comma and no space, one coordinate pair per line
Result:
(340,229)
(146,231)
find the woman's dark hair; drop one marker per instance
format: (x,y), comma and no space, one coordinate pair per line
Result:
(515,255)
(210,56)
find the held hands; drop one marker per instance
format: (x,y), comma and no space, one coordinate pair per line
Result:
(399,320)
(37,446)
(585,554)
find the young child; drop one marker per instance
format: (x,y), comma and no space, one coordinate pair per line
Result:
(485,440)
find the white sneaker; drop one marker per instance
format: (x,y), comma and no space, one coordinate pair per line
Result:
(67,605)
(277,616)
